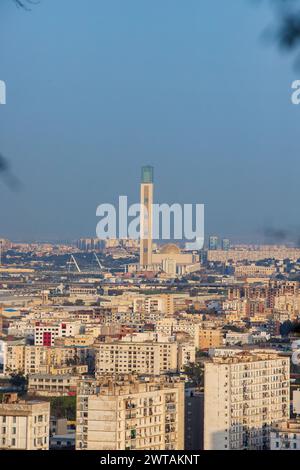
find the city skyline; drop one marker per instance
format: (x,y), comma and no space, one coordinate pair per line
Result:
(149,230)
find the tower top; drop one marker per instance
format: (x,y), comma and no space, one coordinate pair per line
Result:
(147,174)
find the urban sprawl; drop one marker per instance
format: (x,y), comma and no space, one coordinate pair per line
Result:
(120,344)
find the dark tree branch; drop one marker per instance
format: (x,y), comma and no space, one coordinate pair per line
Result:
(25,3)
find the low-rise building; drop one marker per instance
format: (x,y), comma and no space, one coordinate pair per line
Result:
(49,385)
(286,435)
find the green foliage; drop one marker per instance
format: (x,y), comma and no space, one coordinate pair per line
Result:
(195,374)
(63,407)
(19,380)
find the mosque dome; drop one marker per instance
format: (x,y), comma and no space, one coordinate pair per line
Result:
(170,248)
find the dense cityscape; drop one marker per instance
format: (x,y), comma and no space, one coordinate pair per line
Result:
(149,232)
(121,344)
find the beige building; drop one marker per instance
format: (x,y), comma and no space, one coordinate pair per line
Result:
(163,303)
(146,216)
(24,425)
(50,385)
(130,414)
(40,359)
(244,397)
(172,253)
(210,338)
(253,270)
(123,357)
(169,326)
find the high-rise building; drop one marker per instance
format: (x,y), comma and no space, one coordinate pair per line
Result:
(225,244)
(129,413)
(24,425)
(213,242)
(244,397)
(146,216)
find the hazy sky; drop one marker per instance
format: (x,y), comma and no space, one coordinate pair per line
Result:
(98,88)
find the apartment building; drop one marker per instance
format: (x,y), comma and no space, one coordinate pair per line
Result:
(149,357)
(24,425)
(169,326)
(254,270)
(45,335)
(51,385)
(159,303)
(210,338)
(286,435)
(244,397)
(21,328)
(265,252)
(127,413)
(41,359)
(186,354)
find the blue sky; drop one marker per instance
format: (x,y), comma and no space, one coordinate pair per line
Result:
(98,88)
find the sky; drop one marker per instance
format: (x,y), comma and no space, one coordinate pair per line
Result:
(98,88)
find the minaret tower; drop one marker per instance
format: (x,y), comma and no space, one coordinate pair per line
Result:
(146,216)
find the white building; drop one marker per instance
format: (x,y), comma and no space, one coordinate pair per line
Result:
(126,413)
(286,435)
(244,396)
(123,357)
(24,425)
(45,335)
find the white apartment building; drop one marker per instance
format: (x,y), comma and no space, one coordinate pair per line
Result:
(169,326)
(24,425)
(186,355)
(286,435)
(145,353)
(149,357)
(127,413)
(233,337)
(45,335)
(21,328)
(244,396)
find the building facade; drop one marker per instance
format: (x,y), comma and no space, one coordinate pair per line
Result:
(24,425)
(146,216)
(245,396)
(130,414)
